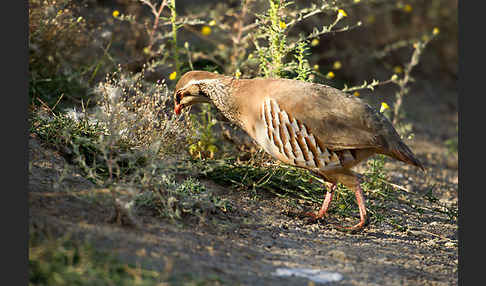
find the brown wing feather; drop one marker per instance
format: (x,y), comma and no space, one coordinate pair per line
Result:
(341,121)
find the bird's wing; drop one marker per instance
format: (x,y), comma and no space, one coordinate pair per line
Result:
(338,120)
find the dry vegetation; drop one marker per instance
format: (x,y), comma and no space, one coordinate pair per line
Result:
(124,192)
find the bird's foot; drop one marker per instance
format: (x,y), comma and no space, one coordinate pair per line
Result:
(352,229)
(313,217)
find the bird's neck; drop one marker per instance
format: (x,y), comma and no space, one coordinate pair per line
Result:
(219,90)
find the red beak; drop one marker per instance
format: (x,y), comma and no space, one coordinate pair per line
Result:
(177,109)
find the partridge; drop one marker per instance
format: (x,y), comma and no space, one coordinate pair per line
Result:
(308,125)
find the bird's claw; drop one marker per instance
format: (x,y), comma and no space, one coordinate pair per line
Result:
(312,217)
(352,229)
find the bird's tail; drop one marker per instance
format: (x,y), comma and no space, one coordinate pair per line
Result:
(403,153)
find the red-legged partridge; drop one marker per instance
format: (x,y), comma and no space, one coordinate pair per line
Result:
(303,124)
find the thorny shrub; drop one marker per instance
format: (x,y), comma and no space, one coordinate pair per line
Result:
(62,56)
(140,113)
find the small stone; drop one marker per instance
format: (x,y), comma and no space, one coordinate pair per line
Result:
(449,244)
(414,232)
(337,254)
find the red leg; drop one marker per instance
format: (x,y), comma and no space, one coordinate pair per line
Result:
(362,211)
(325,205)
(353,185)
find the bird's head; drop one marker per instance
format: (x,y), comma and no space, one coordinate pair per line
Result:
(189,89)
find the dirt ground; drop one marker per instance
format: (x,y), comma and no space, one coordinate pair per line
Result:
(249,244)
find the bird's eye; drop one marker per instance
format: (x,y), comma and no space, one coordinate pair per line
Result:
(178,96)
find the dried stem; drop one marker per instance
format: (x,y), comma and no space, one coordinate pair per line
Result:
(156,14)
(402,83)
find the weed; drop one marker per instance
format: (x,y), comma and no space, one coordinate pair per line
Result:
(203,143)
(303,69)
(178,200)
(64,261)
(139,113)
(440,207)
(274,52)
(452,144)
(67,261)
(71,137)
(175,49)
(59,62)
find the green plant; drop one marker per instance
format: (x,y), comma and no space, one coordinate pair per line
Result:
(175,50)
(63,56)
(73,138)
(138,112)
(203,142)
(274,53)
(281,180)
(375,174)
(55,38)
(158,36)
(452,145)
(64,261)
(126,142)
(174,200)
(303,69)
(277,41)
(129,129)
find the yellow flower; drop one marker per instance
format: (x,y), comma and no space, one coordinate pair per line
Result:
(356,93)
(237,74)
(316,67)
(173,75)
(342,13)
(315,42)
(371,19)
(116,13)
(435,31)
(384,106)
(357,1)
(394,77)
(282,25)
(337,65)
(206,30)
(212,23)
(146,50)
(330,75)
(407,8)
(398,69)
